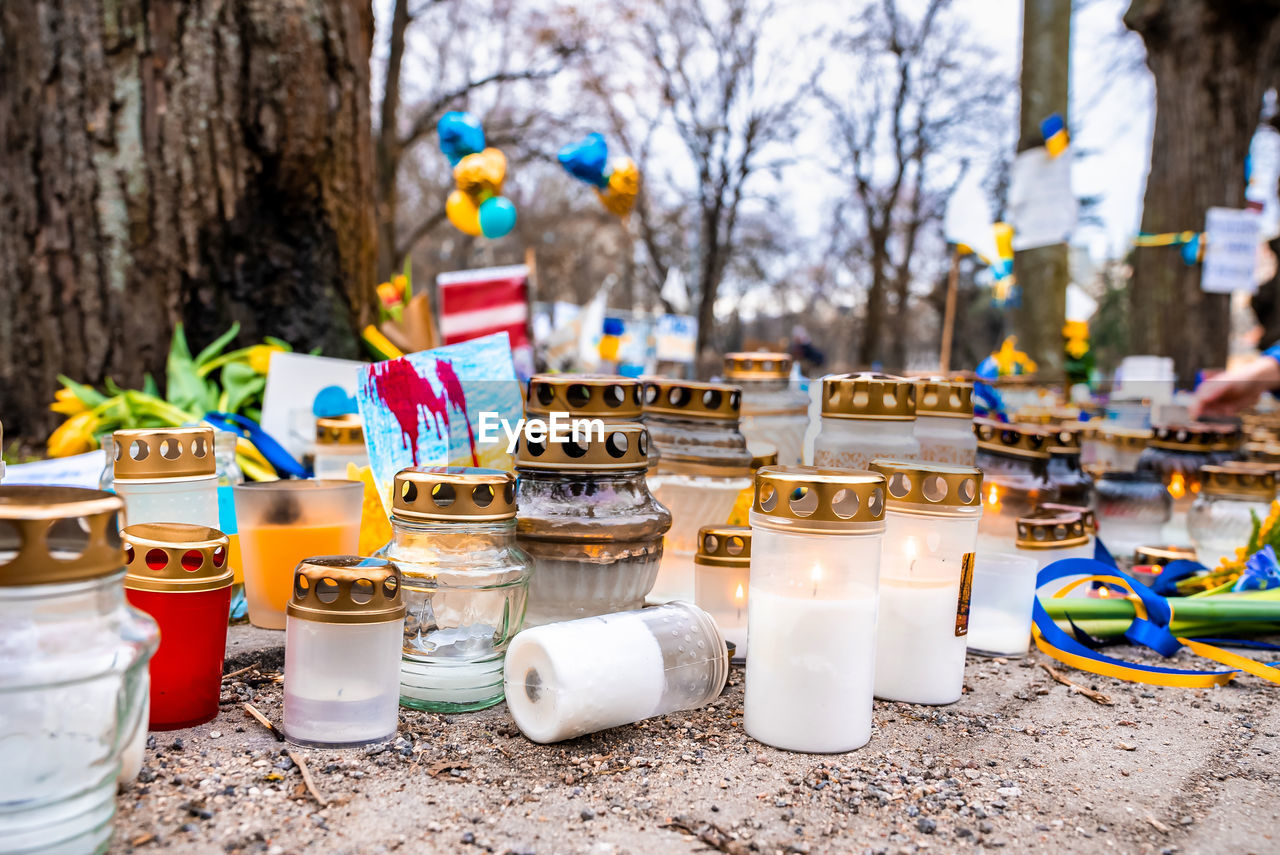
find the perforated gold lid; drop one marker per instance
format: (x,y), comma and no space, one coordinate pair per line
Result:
(164,454)
(56,535)
(594,395)
(1185,438)
(340,430)
(868,396)
(951,399)
(912,485)
(453,494)
(624,446)
(1254,483)
(1124,438)
(1043,416)
(175,558)
(689,399)
(724,546)
(1162,554)
(1016,440)
(757,365)
(1265,451)
(809,498)
(1064,439)
(346,589)
(1061,531)
(1055,509)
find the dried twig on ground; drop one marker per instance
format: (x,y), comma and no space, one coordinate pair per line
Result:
(236,673)
(1158,825)
(709,833)
(1092,694)
(264,721)
(306,778)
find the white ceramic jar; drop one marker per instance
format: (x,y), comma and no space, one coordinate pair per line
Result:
(865,416)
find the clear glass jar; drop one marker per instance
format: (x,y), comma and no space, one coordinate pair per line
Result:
(1231,502)
(342,652)
(587,675)
(1175,454)
(167,475)
(339,441)
(865,416)
(1066,475)
(722,581)
(815,567)
(1048,539)
(704,464)
(590,524)
(944,422)
(774,410)
(1132,510)
(926,575)
(1120,448)
(229,476)
(73,669)
(1014,460)
(1004,593)
(466,583)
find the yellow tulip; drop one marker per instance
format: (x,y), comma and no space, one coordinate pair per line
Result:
(74,436)
(260,356)
(400,282)
(66,402)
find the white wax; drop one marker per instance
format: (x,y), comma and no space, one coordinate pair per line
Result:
(566,679)
(919,657)
(1004,590)
(998,632)
(809,677)
(675,580)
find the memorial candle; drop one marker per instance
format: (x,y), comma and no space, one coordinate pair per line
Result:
(722,576)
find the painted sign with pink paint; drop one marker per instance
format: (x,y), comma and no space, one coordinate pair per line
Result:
(424,409)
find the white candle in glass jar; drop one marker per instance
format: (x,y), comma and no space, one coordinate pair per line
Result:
(722,578)
(1004,592)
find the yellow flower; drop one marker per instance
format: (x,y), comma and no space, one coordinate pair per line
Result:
(66,402)
(400,282)
(74,436)
(260,356)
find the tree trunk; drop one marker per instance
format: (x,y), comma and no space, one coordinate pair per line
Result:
(165,161)
(1209,60)
(873,330)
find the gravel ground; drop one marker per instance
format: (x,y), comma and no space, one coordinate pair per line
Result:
(1022,763)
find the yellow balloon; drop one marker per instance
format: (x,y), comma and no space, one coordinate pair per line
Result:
(619,197)
(1004,240)
(481,173)
(463,213)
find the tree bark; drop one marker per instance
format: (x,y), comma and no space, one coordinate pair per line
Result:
(1210,62)
(166,161)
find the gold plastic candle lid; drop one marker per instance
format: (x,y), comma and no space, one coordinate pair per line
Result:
(164,454)
(1186,438)
(762,454)
(340,430)
(1043,416)
(879,397)
(1264,451)
(757,365)
(1163,554)
(346,589)
(175,558)
(690,399)
(1126,439)
(56,535)
(625,447)
(453,494)
(588,395)
(913,483)
(1051,532)
(1253,483)
(952,399)
(1017,440)
(1064,440)
(1055,509)
(809,494)
(724,546)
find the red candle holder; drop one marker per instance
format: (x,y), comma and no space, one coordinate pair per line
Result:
(179,574)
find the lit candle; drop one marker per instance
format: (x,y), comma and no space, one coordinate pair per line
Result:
(815,558)
(1014,460)
(926,567)
(722,576)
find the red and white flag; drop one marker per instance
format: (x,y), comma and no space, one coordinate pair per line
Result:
(475,303)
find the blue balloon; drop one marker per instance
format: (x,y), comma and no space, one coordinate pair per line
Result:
(497,217)
(586,160)
(333,401)
(460,135)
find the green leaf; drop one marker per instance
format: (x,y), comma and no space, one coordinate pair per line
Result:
(149,385)
(87,395)
(408,280)
(241,384)
(113,387)
(186,388)
(278,342)
(215,347)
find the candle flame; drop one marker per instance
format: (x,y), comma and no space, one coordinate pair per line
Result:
(993,498)
(739,594)
(909,547)
(1104,592)
(816,574)
(1177,485)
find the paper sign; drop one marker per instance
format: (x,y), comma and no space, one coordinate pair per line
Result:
(676,338)
(78,470)
(425,409)
(1230,251)
(968,219)
(293,381)
(1042,208)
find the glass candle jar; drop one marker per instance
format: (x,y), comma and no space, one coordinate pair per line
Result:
(865,416)
(1175,455)
(178,574)
(1014,460)
(1224,443)
(722,579)
(1004,591)
(73,669)
(1231,502)
(1067,477)
(339,441)
(926,575)
(1051,538)
(229,476)
(589,522)
(581,676)
(774,411)
(704,465)
(1119,448)
(167,475)
(604,396)
(944,422)
(466,583)
(762,454)
(1132,509)
(815,565)
(342,652)
(1158,555)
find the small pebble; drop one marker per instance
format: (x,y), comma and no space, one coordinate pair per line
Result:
(587,814)
(926,825)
